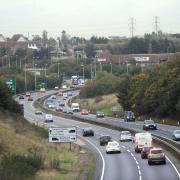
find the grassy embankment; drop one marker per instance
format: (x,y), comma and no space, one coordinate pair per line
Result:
(25,154)
(101,103)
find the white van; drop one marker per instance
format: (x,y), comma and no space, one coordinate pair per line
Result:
(48,118)
(142,139)
(75,107)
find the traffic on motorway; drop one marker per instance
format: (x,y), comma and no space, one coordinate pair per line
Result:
(140,147)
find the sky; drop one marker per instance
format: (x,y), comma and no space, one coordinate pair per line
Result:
(85,18)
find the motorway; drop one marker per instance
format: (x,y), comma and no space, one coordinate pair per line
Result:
(127,165)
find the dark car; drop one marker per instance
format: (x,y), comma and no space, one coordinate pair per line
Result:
(156,155)
(99,114)
(88,132)
(176,135)
(145,151)
(62,104)
(104,139)
(21,97)
(129,116)
(38,112)
(149,124)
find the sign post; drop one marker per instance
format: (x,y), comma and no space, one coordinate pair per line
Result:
(63,134)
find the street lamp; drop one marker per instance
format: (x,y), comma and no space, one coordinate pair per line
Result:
(91,71)
(45,75)
(83,71)
(58,70)
(35,76)
(16,61)
(25,79)
(111,67)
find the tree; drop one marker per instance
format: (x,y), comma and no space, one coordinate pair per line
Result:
(90,50)
(64,41)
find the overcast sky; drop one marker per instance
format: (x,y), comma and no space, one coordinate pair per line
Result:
(87,17)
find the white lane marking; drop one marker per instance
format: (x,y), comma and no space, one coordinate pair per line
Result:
(123,146)
(139,170)
(174,167)
(103,168)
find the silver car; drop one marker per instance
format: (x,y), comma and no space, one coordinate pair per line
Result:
(176,135)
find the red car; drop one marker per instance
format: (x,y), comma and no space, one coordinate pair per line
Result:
(30,98)
(84,112)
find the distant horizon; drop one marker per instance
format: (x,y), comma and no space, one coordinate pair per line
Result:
(87,37)
(85,18)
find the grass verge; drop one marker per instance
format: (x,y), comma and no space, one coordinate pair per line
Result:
(26,154)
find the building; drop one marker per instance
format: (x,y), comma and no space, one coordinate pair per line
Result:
(142,59)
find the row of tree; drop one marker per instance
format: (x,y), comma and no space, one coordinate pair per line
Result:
(155,92)
(148,44)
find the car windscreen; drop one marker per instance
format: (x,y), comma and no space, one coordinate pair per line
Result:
(125,133)
(113,144)
(156,151)
(149,122)
(177,132)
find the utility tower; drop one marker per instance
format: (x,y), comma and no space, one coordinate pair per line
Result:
(132,26)
(156,24)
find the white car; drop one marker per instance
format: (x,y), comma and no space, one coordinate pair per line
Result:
(113,146)
(51,106)
(125,136)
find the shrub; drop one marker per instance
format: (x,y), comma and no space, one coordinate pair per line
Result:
(19,167)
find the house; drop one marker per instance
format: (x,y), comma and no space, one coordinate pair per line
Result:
(142,59)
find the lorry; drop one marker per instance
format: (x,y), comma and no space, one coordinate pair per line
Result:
(141,140)
(75,107)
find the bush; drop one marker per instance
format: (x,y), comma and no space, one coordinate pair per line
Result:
(18,167)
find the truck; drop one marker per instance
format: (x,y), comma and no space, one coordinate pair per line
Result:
(75,107)
(142,139)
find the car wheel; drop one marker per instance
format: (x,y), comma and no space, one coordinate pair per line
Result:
(149,163)
(164,162)
(107,152)
(142,156)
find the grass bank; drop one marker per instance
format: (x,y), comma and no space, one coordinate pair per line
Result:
(26,154)
(105,103)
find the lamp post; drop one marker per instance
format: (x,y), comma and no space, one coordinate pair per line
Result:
(16,61)
(35,76)
(111,67)
(83,71)
(58,70)
(45,76)
(91,71)
(95,69)
(25,78)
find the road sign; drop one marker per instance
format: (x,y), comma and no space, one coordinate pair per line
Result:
(11,84)
(63,134)
(40,85)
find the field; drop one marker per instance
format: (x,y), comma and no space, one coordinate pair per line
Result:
(26,154)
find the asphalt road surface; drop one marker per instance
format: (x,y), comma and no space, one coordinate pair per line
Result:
(127,165)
